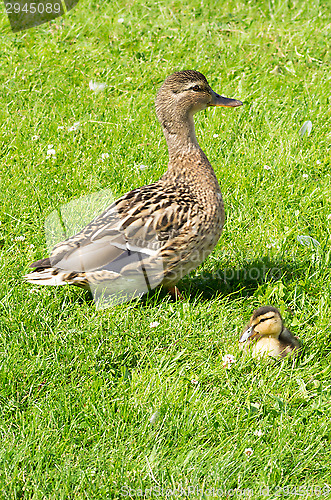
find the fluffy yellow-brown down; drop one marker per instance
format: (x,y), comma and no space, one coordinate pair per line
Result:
(266,335)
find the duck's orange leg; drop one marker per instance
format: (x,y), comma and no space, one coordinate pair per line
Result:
(175,293)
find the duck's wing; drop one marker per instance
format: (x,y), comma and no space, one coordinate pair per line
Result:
(126,239)
(289,342)
(142,220)
(288,337)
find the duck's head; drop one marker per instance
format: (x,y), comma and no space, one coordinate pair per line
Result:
(265,322)
(183,94)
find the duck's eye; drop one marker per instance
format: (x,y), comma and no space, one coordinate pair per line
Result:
(196,88)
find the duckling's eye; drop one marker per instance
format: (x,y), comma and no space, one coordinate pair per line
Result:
(196,88)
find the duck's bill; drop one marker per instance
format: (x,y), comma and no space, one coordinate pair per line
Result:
(247,334)
(226,102)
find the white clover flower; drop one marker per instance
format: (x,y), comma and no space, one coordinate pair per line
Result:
(31,246)
(155,417)
(266,167)
(318,162)
(248,452)
(50,146)
(308,241)
(120,20)
(305,176)
(104,156)
(306,127)
(97,86)
(75,127)
(215,135)
(228,361)
(60,127)
(51,152)
(154,324)
(35,137)
(19,238)
(272,244)
(258,433)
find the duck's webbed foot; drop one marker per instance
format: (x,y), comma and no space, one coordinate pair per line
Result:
(175,293)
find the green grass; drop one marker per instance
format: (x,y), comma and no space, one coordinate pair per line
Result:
(79,386)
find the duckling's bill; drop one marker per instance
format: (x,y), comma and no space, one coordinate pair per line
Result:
(247,334)
(226,102)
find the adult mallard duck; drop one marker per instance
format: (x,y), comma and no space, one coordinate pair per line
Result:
(266,335)
(158,233)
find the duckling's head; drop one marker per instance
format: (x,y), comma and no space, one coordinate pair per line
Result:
(265,322)
(183,94)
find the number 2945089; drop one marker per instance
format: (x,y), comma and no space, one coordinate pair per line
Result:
(33,8)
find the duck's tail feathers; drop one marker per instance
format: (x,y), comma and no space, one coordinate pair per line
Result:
(42,263)
(54,277)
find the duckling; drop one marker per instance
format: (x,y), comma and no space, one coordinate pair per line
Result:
(268,335)
(155,234)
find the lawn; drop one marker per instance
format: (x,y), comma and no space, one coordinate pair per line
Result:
(108,404)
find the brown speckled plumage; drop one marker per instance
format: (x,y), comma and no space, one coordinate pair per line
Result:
(173,224)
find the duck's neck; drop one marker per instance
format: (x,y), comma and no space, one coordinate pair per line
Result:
(180,137)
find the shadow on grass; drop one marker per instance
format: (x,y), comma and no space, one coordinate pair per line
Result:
(242,281)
